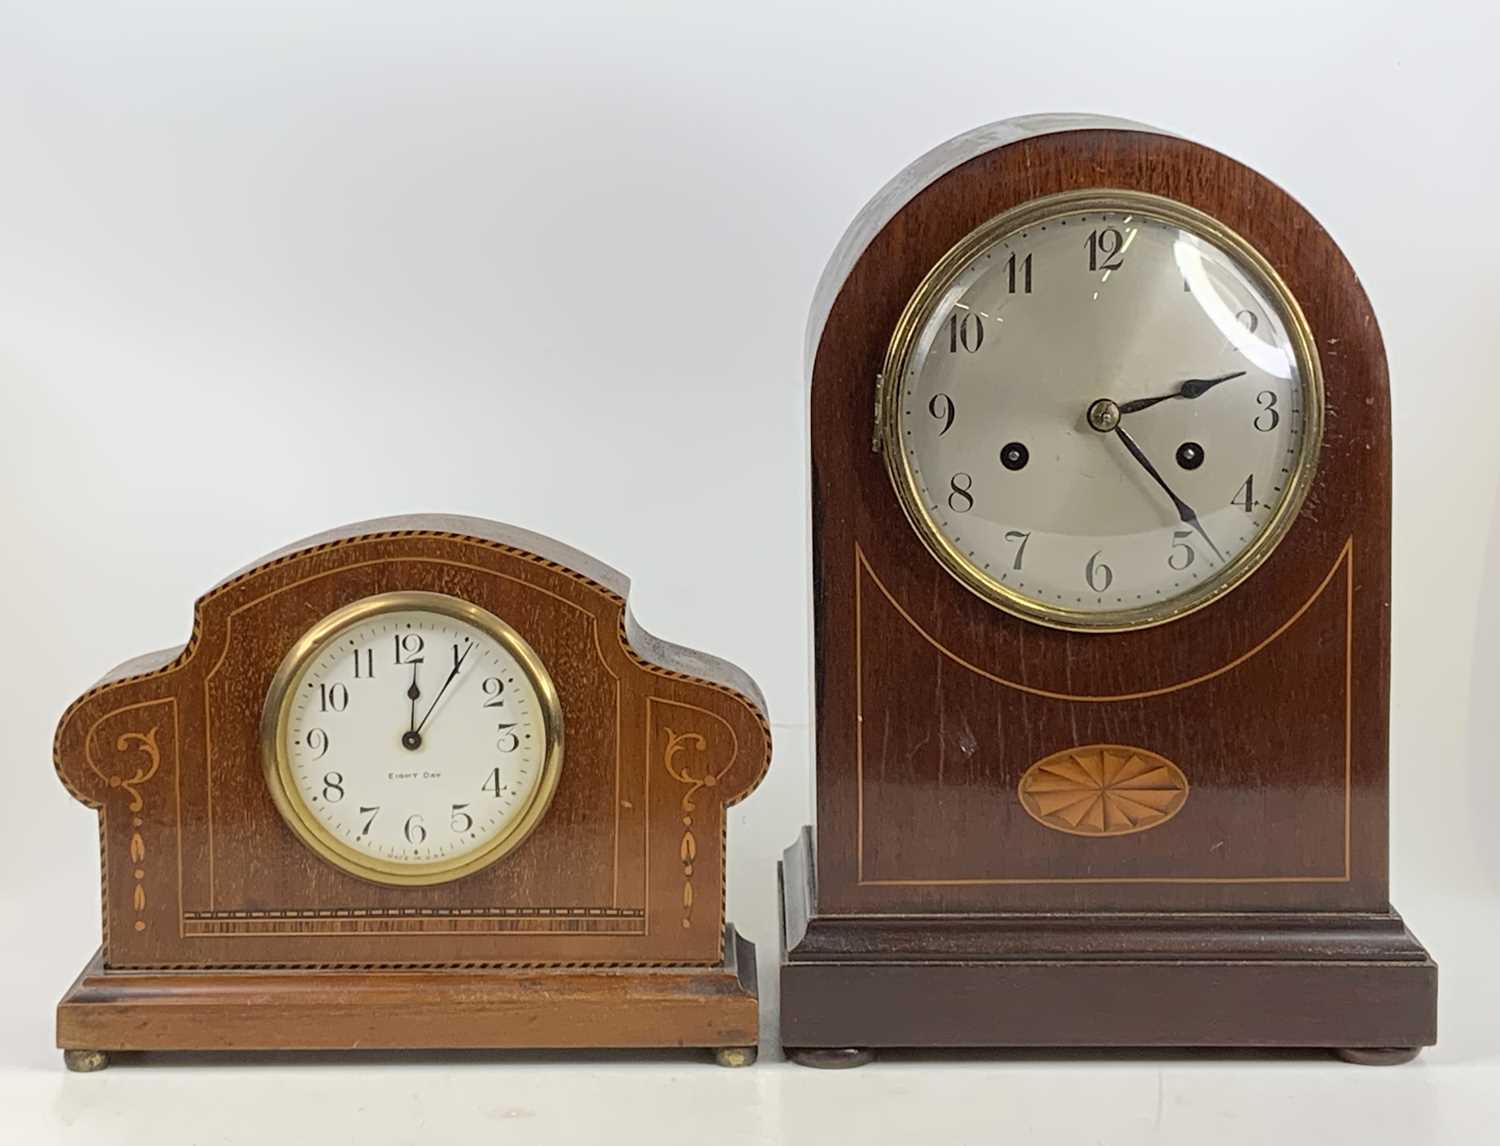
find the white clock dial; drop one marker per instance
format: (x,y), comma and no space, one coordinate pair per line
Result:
(415,738)
(1103,413)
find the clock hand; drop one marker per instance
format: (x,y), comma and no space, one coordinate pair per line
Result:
(410,738)
(1192,388)
(458,662)
(1184,510)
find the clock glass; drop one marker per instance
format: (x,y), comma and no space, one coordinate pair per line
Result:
(1101,410)
(412,738)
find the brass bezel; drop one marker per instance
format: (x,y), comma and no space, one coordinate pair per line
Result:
(919,311)
(299,817)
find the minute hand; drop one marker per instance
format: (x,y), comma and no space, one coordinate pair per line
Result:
(1192,388)
(1184,510)
(458,663)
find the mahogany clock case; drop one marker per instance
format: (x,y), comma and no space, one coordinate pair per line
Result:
(604,928)
(931,908)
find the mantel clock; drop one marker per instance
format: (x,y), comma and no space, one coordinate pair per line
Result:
(1101,543)
(415,783)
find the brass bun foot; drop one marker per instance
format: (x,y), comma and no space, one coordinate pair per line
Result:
(85,1061)
(735,1056)
(1378,1056)
(831,1058)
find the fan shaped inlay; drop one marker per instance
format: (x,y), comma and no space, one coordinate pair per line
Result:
(1103,790)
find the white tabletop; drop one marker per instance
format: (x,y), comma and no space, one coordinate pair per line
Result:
(1450,1096)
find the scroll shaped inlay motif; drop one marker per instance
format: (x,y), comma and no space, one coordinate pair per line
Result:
(1103,790)
(683,773)
(143,743)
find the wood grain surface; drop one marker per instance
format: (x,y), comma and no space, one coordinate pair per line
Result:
(935,905)
(626,871)
(348,1010)
(1273,702)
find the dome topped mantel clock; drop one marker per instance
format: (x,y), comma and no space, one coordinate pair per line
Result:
(420,782)
(1101,541)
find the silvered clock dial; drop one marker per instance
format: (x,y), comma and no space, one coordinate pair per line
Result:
(1101,410)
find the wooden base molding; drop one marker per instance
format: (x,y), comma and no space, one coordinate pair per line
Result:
(238,1010)
(1356,983)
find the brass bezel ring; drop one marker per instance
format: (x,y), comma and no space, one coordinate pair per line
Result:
(921,309)
(313,833)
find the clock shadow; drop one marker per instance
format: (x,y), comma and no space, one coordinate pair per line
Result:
(361,1059)
(1211,1057)
(1483,755)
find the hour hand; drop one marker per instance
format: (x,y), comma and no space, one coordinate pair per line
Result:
(1191,388)
(411,738)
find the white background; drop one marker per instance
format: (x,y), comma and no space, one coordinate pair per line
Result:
(268,268)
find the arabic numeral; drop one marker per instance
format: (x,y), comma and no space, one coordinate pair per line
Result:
(372,812)
(1180,549)
(492,687)
(333,697)
(960,500)
(1106,249)
(409,648)
(1099,575)
(508,741)
(1266,400)
(333,787)
(364,663)
(1024,275)
(1249,320)
(492,785)
(460,815)
(966,331)
(1023,538)
(317,740)
(1245,492)
(942,408)
(413,830)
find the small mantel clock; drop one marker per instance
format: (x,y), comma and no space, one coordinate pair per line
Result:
(416,783)
(1101,543)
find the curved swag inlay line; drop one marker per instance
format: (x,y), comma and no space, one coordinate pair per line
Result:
(862,563)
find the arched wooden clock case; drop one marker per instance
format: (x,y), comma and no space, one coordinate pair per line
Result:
(932,907)
(605,927)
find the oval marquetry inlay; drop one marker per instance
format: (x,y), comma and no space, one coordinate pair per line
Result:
(1103,790)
